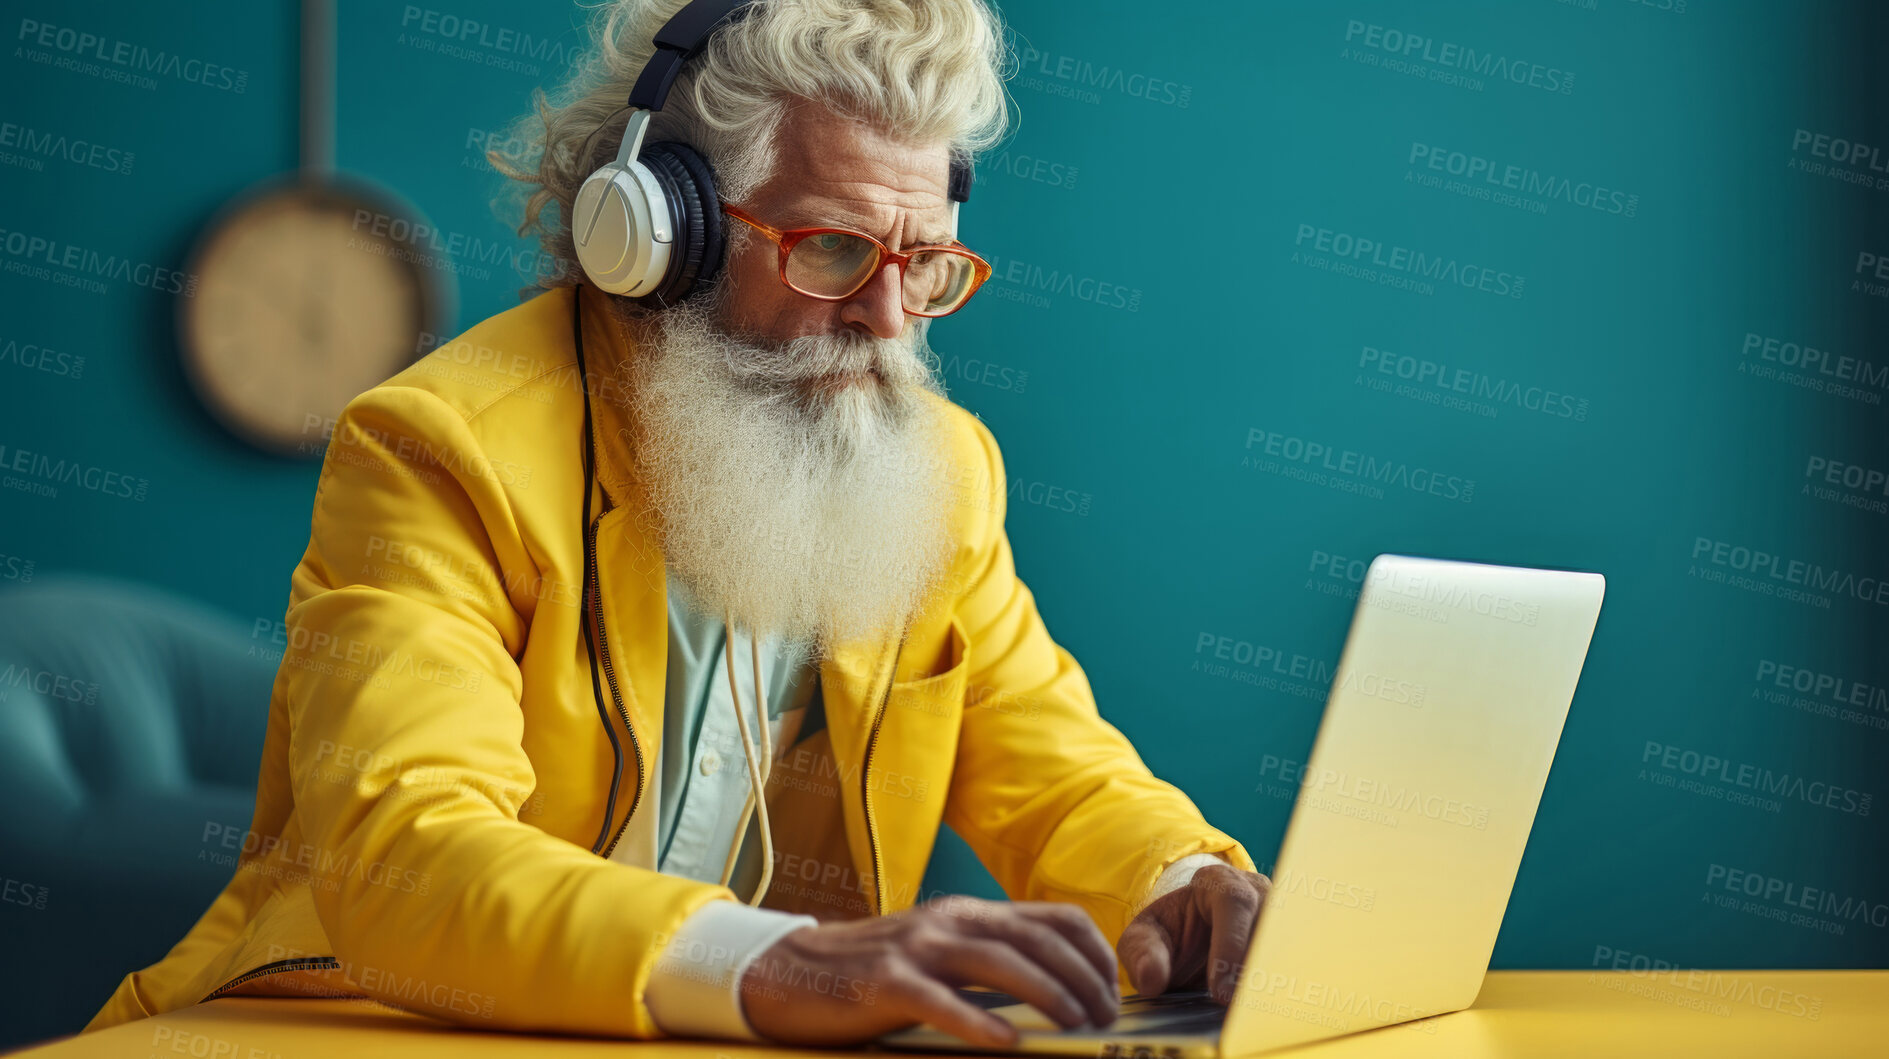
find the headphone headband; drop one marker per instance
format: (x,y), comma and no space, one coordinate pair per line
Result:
(687,32)
(678,40)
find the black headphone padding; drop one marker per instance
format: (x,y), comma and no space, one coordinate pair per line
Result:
(696,256)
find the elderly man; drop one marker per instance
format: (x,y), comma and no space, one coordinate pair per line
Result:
(509,772)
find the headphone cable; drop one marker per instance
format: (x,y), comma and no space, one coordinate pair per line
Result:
(757,775)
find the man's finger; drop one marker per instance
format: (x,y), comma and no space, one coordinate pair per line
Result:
(927,1000)
(1230,902)
(1048,949)
(1080,930)
(1148,952)
(977,961)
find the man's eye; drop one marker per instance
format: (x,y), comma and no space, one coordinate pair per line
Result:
(828,241)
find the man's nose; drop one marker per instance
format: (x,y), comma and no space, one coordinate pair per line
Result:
(879,306)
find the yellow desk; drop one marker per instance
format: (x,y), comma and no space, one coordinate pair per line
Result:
(1720,1014)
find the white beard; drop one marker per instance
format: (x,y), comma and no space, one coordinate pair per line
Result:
(816,513)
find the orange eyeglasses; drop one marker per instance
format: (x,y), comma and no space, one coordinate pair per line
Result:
(834,263)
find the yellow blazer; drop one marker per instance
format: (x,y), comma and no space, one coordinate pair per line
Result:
(430,825)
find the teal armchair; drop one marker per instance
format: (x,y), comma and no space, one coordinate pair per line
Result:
(131,727)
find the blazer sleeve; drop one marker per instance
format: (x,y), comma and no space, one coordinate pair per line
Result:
(401,657)
(1052,798)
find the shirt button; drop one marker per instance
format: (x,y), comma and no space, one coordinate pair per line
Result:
(710,763)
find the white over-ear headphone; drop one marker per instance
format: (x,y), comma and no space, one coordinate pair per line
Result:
(649,224)
(624,231)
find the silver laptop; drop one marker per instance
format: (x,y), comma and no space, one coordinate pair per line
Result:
(1408,824)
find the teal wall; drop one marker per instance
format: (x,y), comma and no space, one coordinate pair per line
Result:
(1168,224)
(1629,322)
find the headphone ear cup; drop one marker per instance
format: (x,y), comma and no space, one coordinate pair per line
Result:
(695,258)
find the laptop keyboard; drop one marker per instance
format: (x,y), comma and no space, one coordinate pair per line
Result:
(1187,1013)
(1135,1003)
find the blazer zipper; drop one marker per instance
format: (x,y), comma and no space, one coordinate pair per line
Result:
(610,678)
(298,963)
(865,783)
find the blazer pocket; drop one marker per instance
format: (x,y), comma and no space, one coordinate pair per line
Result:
(918,748)
(939,694)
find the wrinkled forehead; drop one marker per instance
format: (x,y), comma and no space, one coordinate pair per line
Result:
(834,171)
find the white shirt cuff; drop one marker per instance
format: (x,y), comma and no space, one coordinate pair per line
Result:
(1179,874)
(695,988)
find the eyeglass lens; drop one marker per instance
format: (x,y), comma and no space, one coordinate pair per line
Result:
(834,264)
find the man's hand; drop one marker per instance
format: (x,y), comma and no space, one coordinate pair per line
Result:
(1196,933)
(844,983)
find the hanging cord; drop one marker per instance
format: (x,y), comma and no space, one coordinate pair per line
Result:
(757,795)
